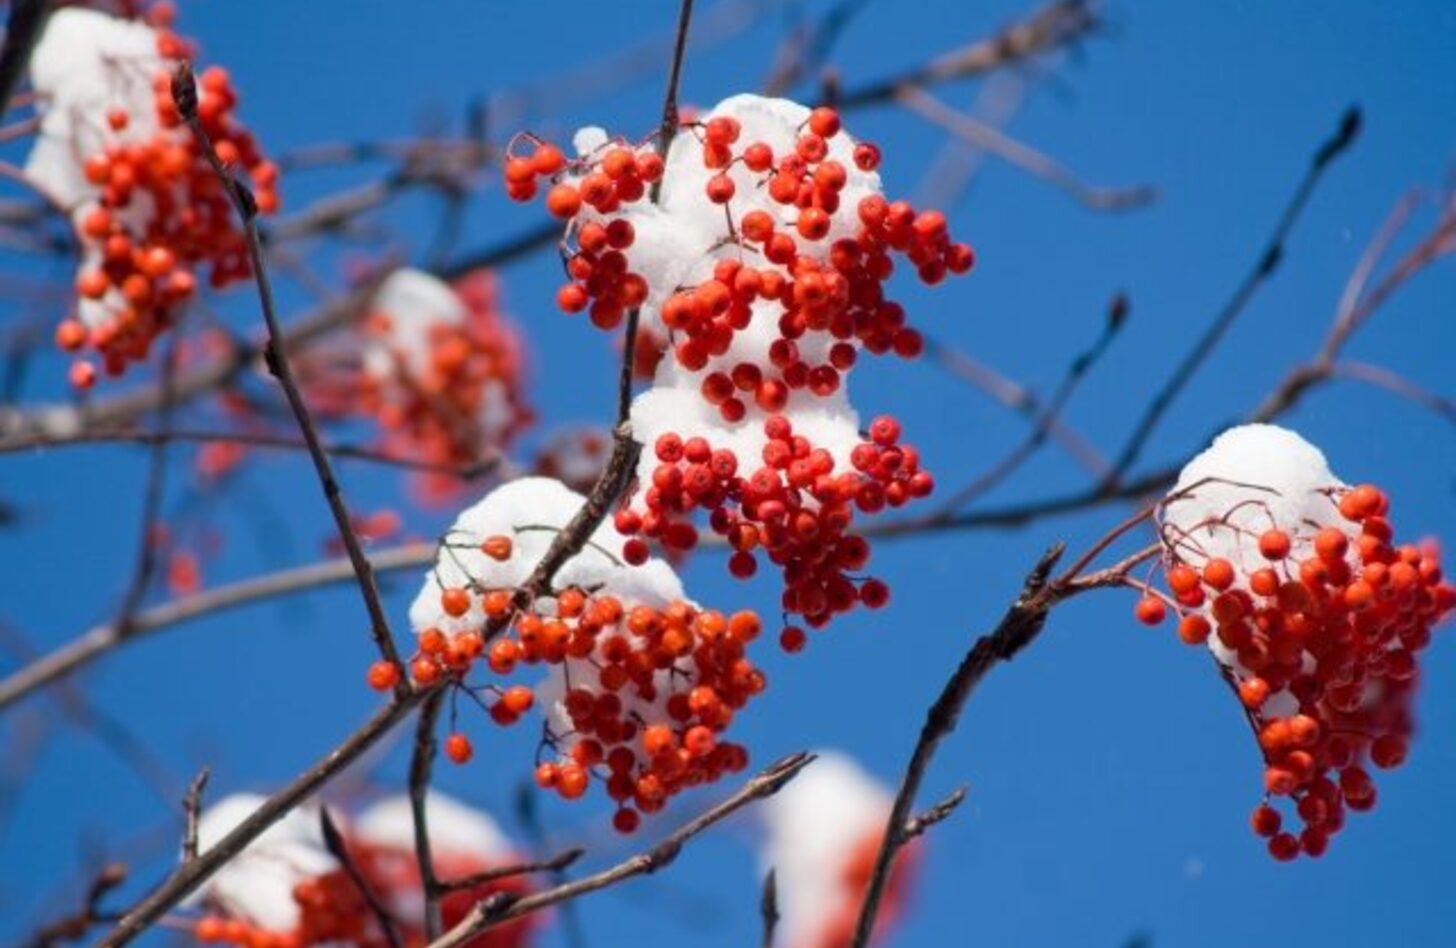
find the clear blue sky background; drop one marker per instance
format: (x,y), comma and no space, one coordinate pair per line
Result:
(1110,773)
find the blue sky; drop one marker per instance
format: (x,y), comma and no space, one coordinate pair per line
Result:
(1110,773)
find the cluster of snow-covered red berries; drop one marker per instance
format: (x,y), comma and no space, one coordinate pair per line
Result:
(1316,615)
(438,366)
(288,890)
(149,211)
(759,266)
(640,683)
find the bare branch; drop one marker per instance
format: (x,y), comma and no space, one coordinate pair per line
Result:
(189,876)
(923,821)
(191,810)
(1080,366)
(555,864)
(80,651)
(1264,268)
(1054,26)
(1017,629)
(184,93)
(422,760)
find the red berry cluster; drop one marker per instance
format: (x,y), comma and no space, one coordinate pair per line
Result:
(837,290)
(461,400)
(332,909)
(1326,645)
(160,214)
(647,691)
(621,175)
(794,506)
(443,415)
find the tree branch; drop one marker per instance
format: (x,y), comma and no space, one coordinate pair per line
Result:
(184,94)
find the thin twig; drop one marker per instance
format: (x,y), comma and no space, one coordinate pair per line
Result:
(1051,27)
(1116,318)
(1013,395)
(422,760)
(184,94)
(191,810)
(555,864)
(1264,268)
(500,908)
(1017,629)
(465,472)
(78,652)
(75,926)
(923,821)
(768,908)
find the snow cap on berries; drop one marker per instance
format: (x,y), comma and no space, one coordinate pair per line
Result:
(84,63)
(257,885)
(531,511)
(1318,616)
(824,830)
(454,827)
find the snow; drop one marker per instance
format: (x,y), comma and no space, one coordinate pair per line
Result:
(414,303)
(519,510)
(1251,479)
(814,825)
(85,63)
(453,827)
(531,511)
(257,884)
(678,242)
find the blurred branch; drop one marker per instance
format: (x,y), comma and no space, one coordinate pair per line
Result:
(1024,157)
(1015,396)
(22,30)
(768,908)
(1115,320)
(1051,27)
(334,843)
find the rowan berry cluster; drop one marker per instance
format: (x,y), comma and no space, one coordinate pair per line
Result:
(794,507)
(760,264)
(150,213)
(440,369)
(1317,615)
(287,890)
(641,684)
(787,231)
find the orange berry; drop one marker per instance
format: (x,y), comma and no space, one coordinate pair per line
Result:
(458,749)
(1150,610)
(383,675)
(497,548)
(455,601)
(1274,544)
(563,201)
(518,698)
(1218,573)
